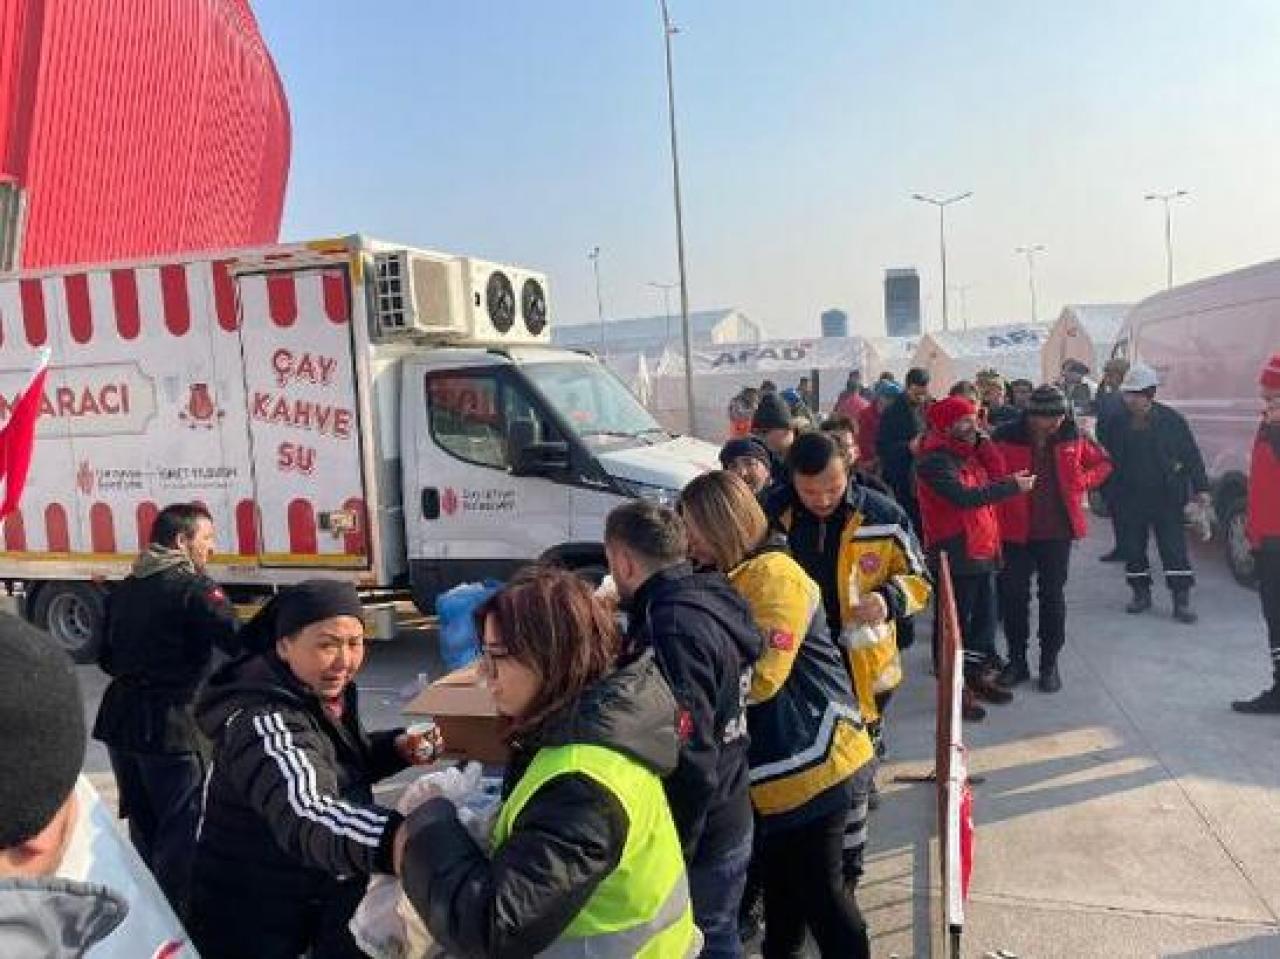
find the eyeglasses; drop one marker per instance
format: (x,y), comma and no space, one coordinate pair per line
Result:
(490,656)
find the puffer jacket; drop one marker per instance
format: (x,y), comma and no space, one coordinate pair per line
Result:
(1262,518)
(290,832)
(1180,461)
(807,735)
(705,642)
(1081,465)
(958,488)
(568,838)
(163,623)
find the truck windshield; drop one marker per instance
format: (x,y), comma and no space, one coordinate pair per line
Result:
(594,402)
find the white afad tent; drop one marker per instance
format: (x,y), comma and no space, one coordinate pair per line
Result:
(720,372)
(1013,351)
(889,354)
(1085,332)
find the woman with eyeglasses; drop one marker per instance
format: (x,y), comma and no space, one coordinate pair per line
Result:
(585,860)
(807,737)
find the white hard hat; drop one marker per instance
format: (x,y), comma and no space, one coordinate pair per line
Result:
(1140,377)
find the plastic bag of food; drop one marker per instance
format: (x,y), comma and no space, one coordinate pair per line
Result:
(386,925)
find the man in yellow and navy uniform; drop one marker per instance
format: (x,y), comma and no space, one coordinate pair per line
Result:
(859,548)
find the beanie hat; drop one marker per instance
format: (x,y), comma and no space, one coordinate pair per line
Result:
(888,389)
(744,446)
(772,413)
(297,607)
(1047,401)
(944,414)
(1270,378)
(42,715)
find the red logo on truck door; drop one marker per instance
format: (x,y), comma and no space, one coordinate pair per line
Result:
(202,410)
(449,501)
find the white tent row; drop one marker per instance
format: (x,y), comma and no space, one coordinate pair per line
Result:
(889,354)
(720,373)
(1085,332)
(1012,350)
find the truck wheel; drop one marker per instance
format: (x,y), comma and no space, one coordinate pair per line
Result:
(1239,556)
(74,615)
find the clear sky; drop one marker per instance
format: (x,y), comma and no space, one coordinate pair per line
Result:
(532,131)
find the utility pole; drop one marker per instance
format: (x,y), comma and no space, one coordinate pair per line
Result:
(942,240)
(668,31)
(1030,252)
(1166,199)
(594,257)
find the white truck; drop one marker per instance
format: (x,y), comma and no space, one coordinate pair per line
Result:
(344,407)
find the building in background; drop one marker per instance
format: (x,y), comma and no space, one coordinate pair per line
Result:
(902,302)
(835,323)
(134,129)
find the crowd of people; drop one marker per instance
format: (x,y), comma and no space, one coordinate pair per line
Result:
(692,752)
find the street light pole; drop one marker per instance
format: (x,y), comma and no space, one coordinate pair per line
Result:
(666,289)
(668,30)
(594,257)
(1166,199)
(1030,252)
(942,240)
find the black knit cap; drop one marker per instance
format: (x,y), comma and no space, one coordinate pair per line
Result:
(297,607)
(744,446)
(772,413)
(42,719)
(1047,401)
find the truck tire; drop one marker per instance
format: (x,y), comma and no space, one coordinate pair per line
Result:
(1236,545)
(74,614)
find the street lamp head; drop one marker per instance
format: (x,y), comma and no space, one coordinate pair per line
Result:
(1183,193)
(593,253)
(958,197)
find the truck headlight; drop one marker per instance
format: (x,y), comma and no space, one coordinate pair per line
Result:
(647,491)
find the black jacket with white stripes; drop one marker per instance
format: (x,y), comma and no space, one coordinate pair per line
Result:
(289,830)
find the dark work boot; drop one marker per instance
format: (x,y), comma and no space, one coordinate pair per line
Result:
(970,709)
(1141,601)
(1182,610)
(1015,672)
(1050,681)
(1265,703)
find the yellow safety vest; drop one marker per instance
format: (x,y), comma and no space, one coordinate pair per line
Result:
(642,908)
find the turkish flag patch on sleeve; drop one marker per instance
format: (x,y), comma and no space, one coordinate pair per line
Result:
(782,640)
(684,725)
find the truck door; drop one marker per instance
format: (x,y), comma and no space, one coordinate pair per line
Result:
(304,421)
(468,517)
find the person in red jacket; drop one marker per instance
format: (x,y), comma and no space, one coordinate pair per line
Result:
(1263,527)
(960,476)
(886,391)
(1037,530)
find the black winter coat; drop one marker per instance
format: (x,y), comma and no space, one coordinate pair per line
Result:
(1180,461)
(163,623)
(568,838)
(290,832)
(899,425)
(706,641)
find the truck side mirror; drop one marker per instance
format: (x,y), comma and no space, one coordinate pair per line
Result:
(528,456)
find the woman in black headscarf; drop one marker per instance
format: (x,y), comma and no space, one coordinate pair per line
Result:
(290,832)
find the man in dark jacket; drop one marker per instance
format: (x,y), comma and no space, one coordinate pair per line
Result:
(1158,468)
(705,640)
(1037,531)
(290,832)
(995,399)
(959,481)
(775,426)
(901,427)
(163,623)
(1262,526)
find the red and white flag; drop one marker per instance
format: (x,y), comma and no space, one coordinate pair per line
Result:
(18,438)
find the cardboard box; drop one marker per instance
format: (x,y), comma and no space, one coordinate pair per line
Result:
(463,709)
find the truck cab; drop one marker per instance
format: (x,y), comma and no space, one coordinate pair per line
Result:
(516,454)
